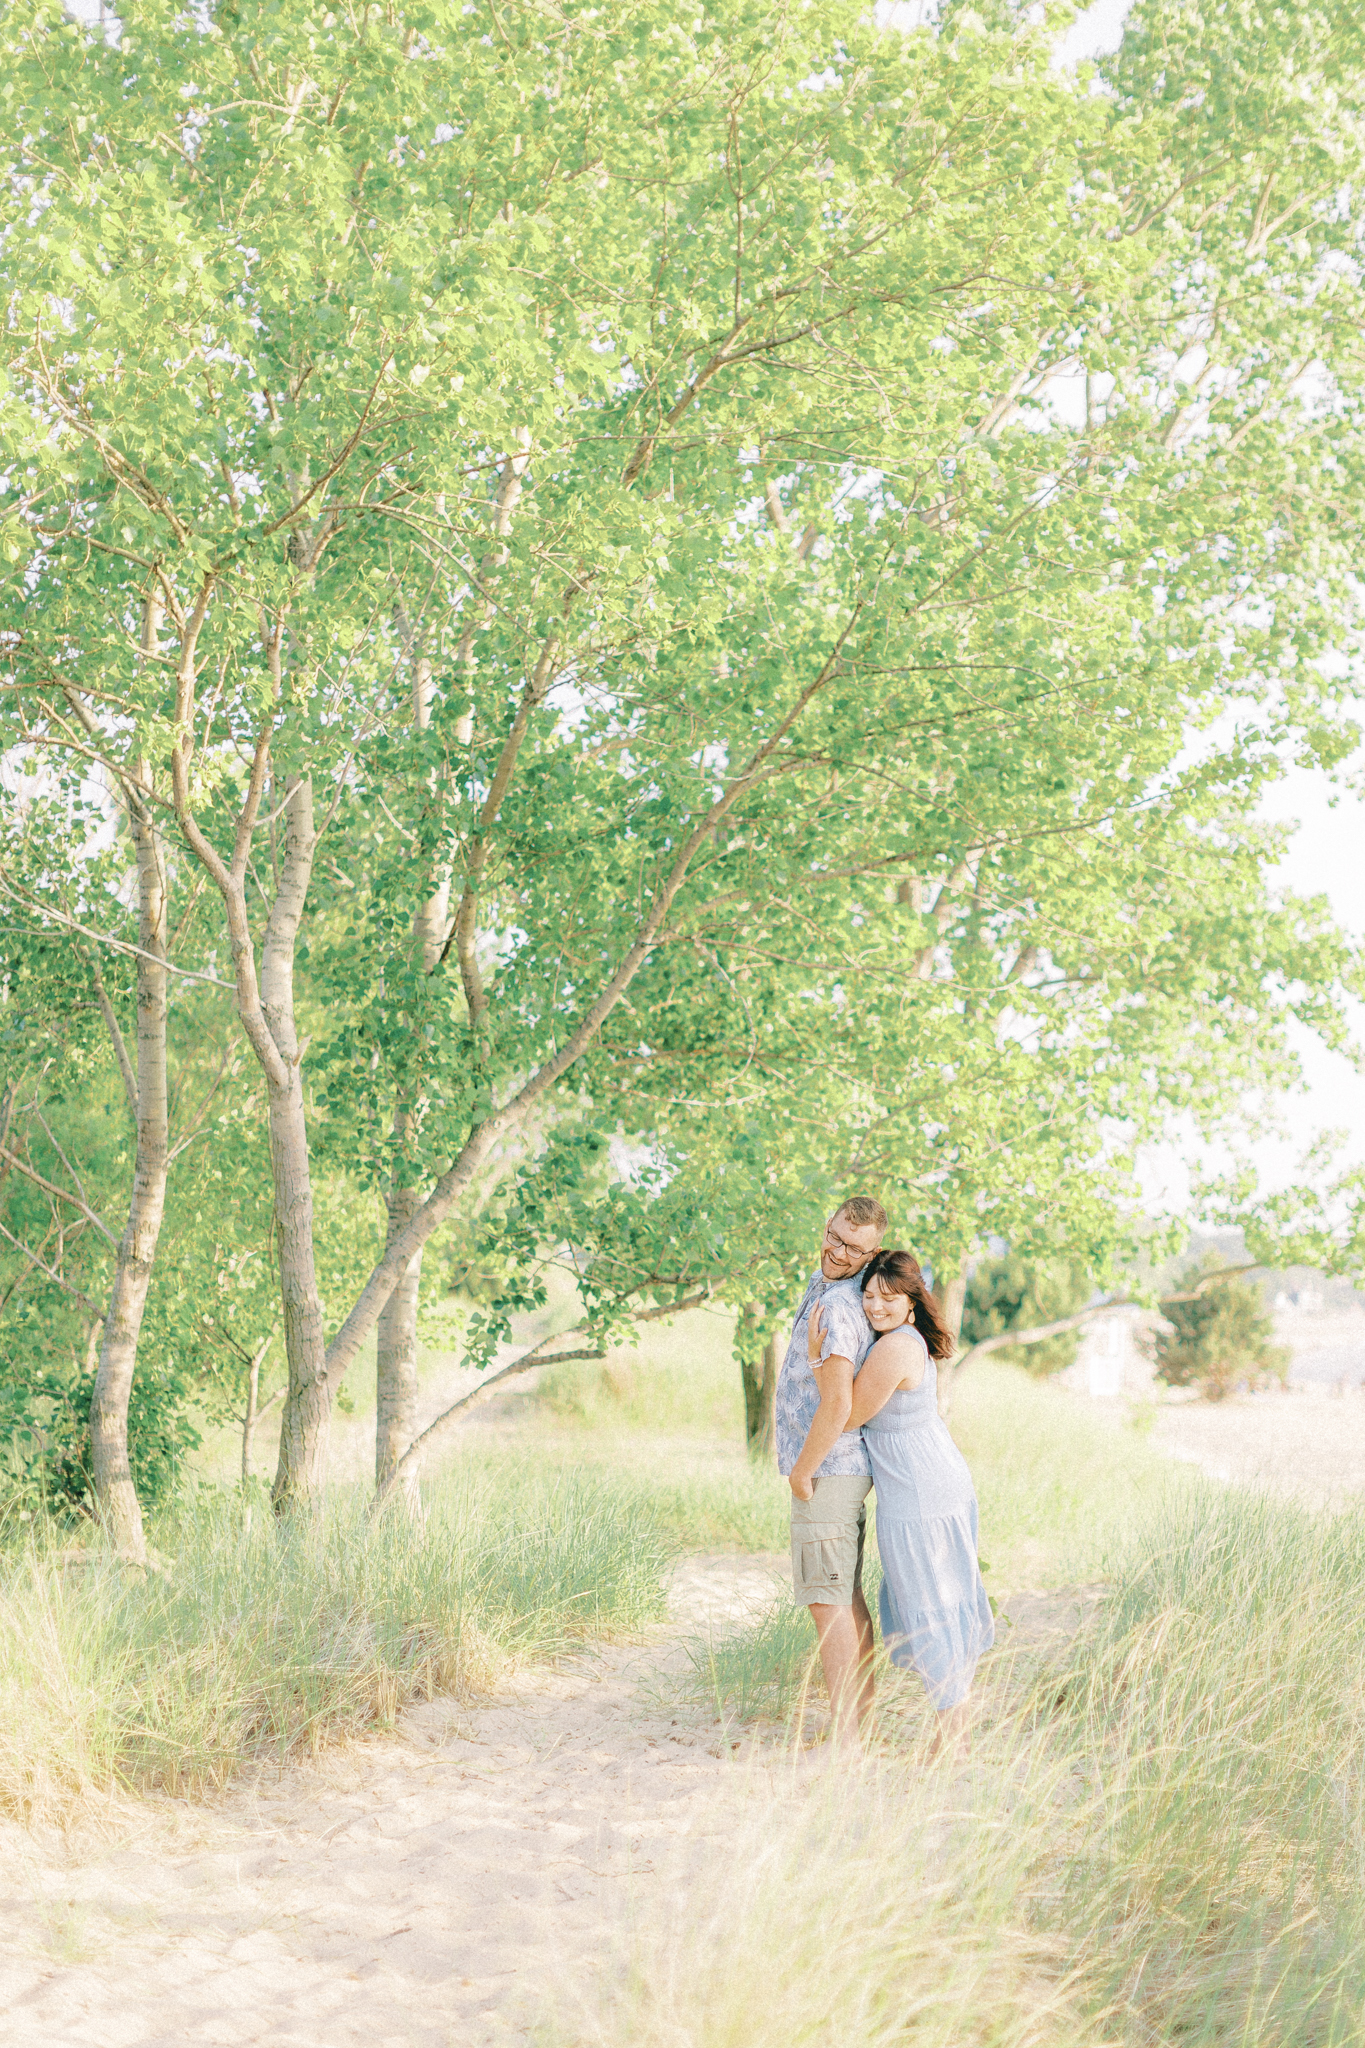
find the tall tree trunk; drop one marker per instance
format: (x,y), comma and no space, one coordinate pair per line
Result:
(265,1008)
(396,1360)
(115,1494)
(396,1350)
(306,1425)
(760,1392)
(396,1331)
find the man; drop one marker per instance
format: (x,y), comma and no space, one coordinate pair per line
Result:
(828,1470)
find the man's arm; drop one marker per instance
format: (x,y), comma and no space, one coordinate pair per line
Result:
(835,1381)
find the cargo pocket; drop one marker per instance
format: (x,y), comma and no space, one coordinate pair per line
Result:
(819,1555)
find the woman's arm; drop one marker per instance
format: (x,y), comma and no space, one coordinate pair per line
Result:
(894,1361)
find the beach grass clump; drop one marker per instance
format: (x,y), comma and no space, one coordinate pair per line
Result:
(1215,1713)
(1162,1832)
(848,1906)
(260,1638)
(758,1673)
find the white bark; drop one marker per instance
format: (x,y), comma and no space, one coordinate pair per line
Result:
(115,1494)
(396,1351)
(305,1428)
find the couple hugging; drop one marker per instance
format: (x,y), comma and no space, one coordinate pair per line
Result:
(857,1406)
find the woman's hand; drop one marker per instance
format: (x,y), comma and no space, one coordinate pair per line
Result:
(801,1484)
(815,1338)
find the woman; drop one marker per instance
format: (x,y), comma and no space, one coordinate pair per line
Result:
(934,1611)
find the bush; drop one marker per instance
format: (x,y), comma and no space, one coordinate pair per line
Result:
(45,1433)
(1014,1294)
(1219,1340)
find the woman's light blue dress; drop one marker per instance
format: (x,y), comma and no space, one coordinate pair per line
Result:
(935,1616)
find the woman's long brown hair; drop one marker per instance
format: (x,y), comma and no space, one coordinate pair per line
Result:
(899,1273)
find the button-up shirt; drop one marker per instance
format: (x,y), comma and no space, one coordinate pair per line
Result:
(848,1334)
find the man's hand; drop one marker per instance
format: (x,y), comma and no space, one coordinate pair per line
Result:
(801,1483)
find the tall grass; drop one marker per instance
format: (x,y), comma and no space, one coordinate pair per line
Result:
(1217,1710)
(1059,1482)
(1161,1840)
(262,1637)
(759,1673)
(848,1909)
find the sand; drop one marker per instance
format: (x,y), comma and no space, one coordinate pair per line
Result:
(427,1888)
(1307,1444)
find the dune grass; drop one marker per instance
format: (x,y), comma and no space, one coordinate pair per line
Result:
(759,1673)
(1060,1483)
(1160,1844)
(848,1909)
(1215,1708)
(260,1639)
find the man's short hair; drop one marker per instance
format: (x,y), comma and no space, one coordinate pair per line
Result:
(861,1210)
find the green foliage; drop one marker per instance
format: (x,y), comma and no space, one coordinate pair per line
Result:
(758,1673)
(1012,1293)
(1220,1340)
(837,478)
(45,1435)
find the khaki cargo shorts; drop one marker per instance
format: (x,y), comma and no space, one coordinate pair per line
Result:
(827,1541)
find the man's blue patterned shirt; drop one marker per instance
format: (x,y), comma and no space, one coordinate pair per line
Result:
(848,1334)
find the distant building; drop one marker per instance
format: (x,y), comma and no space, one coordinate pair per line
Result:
(1115,1355)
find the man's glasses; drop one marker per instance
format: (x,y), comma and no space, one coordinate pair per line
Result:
(841,1244)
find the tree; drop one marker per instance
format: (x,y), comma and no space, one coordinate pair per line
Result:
(1219,1335)
(819,637)
(1009,1293)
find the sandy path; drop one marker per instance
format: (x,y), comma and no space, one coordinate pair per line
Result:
(441,1887)
(431,1887)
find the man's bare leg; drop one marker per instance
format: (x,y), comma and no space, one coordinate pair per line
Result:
(846,1648)
(953,1735)
(867,1649)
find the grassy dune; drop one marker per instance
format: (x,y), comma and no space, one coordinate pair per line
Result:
(259,1640)
(1160,1842)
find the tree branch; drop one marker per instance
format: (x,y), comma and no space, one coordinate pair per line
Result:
(59,1194)
(528,1362)
(514,1112)
(41,1265)
(1004,1338)
(462,933)
(125,1065)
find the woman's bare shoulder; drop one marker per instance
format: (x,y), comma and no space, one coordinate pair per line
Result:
(905,1340)
(904,1347)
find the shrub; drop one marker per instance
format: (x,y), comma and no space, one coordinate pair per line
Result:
(1014,1294)
(1220,1339)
